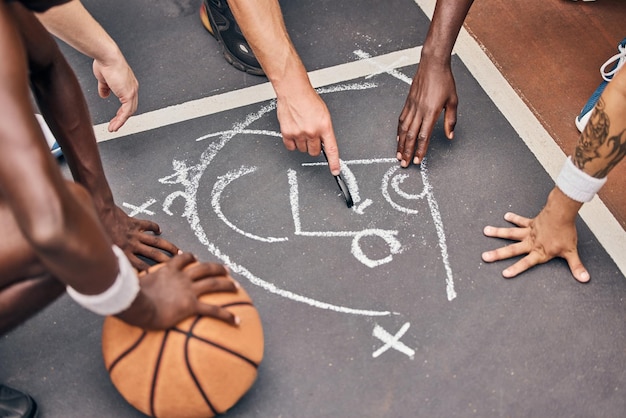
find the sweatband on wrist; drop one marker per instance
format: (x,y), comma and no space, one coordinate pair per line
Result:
(116,298)
(576,184)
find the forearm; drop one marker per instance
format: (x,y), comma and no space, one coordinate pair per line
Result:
(73,24)
(56,89)
(444,28)
(61,230)
(602,144)
(262,24)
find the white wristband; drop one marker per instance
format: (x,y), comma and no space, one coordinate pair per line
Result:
(116,298)
(576,184)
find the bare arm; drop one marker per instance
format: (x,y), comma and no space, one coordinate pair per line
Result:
(433,89)
(56,89)
(57,219)
(601,146)
(304,118)
(73,24)
(66,237)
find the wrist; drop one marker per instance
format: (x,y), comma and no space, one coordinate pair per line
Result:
(119,296)
(109,55)
(566,207)
(577,184)
(436,56)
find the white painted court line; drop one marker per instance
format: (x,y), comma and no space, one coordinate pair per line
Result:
(256,94)
(595,214)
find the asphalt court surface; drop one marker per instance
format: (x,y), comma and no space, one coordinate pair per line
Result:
(382,310)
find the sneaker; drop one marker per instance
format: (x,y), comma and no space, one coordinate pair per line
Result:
(55,149)
(16,404)
(616,62)
(217,18)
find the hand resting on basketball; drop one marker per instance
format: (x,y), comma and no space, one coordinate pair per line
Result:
(170,293)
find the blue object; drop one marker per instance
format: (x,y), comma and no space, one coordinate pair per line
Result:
(618,59)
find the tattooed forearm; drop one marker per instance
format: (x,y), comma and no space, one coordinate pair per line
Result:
(596,151)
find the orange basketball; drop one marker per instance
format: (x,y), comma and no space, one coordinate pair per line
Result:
(199,368)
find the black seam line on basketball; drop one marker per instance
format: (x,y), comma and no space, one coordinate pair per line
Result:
(128,350)
(193,375)
(156,372)
(216,345)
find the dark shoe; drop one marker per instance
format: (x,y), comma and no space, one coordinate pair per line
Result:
(217,18)
(16,404)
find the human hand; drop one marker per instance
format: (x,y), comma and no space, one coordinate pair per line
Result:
(131,235)
(432,91)
(551,234)
(118,77)
(170,292)
(305,125)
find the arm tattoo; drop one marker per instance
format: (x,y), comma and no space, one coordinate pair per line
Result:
(596,148)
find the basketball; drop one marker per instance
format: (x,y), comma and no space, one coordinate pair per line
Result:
(199,368)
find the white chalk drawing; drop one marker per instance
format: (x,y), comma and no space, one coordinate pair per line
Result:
(143,208)
(187,177)
(392,341)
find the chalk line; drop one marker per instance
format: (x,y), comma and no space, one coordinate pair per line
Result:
(389,236)
(432,202)
(189,177)
(255,94)
(384,188)
(216,195)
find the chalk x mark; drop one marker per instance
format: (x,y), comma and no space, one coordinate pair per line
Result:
(136,210)
(392,341)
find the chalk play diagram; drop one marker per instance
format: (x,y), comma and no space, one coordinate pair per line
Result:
(263,202)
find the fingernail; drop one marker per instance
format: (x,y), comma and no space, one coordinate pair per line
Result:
(584,276)
(180,252)
(397,138)
(506,273)
(399,156)
(237,285)
(237,321)
(403,164)
(416,160)
(336,172)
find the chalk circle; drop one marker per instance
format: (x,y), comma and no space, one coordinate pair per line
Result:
(393,180)
(387,236)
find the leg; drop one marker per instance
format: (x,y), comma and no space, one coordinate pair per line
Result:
(25,285)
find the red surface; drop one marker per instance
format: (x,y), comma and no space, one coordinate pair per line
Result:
(551,51)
